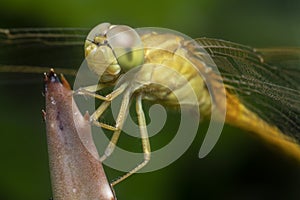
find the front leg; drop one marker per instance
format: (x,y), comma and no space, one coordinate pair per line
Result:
(144,138)
(119,124)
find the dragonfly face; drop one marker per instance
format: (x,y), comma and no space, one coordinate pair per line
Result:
(111,49)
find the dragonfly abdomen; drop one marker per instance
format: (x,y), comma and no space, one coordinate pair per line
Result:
(238,115)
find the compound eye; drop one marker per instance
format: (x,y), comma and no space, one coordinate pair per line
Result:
(126,45)
(99,30)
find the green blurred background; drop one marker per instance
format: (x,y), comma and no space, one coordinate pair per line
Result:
(239,167)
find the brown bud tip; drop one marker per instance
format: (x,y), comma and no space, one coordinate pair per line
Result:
(50,76)
(65,82)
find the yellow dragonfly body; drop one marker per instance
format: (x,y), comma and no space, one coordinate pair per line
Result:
(261,85)
(237,113)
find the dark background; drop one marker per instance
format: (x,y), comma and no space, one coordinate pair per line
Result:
(239,167)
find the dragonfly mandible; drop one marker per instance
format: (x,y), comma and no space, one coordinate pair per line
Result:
(261,85)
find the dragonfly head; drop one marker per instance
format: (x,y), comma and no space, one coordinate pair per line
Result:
(113,49)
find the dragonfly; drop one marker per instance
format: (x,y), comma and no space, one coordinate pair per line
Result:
(261,85)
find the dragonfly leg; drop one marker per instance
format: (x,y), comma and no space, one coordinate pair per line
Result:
(100,110)
(96,115)
(145,141)
(86,92)
(93,88)
(117,129)
(91,91)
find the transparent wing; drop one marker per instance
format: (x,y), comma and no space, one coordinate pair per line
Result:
(265,80)
(287,59)
(33,49)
